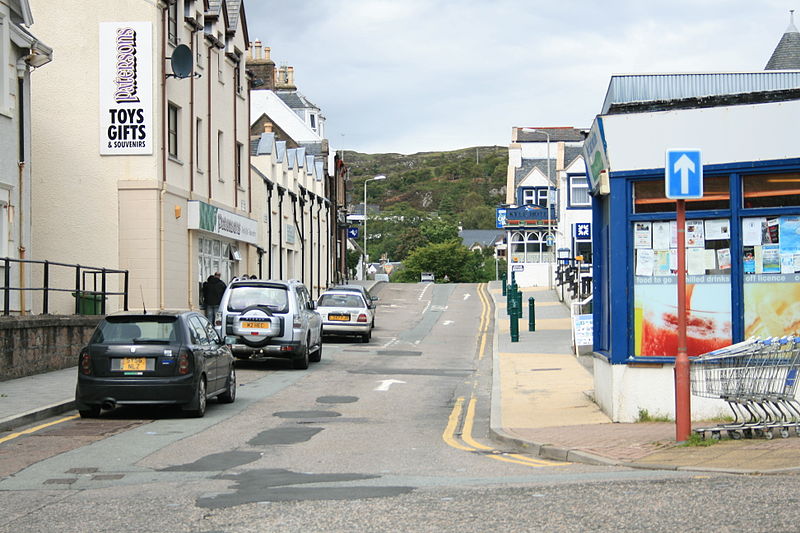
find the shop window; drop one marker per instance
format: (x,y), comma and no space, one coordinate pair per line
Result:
(708,282)
(771,190)
(530,247)
(649,196)
(771,267)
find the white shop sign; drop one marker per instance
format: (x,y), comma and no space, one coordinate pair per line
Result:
(126,88)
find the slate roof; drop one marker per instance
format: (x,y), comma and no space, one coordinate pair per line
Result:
(786,55)
(482,237)
(556,134)
(280,151)
(265,143)
(234,8)
(295,100)
(528,165)
(571,153)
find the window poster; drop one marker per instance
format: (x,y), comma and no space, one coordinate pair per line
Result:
(789,227)
(695,261)
(724,258)
(641,235)
(661,235)
(716,229)
(751,231)
(749,259)
(772,309)
(645,262)
(694,234)
(656,318)
(771,259)
(662,263)
(769,231)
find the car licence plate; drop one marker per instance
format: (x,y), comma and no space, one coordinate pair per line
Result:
(133,363)
(255,325)
(340,318)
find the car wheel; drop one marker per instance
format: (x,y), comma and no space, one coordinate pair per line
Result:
(316,357)
(91,412)
(301,363)
(229,396)
(365,338)
(200,399)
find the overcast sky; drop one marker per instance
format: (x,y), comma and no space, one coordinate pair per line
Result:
(422,75)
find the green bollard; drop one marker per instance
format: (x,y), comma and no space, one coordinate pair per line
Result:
(503,279)
(531,315)
(514,325)
(519,303)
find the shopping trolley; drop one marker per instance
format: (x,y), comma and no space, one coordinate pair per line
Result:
(758,380)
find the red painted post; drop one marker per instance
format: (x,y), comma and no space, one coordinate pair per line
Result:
(683,410)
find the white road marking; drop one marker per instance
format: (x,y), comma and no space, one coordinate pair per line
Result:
(466,296)
(447,322)
(386,383)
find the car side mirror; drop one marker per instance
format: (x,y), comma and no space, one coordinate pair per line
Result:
(375,298)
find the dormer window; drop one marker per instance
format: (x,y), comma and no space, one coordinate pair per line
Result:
(313,121)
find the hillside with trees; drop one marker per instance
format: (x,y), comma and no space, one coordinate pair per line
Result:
(416,212)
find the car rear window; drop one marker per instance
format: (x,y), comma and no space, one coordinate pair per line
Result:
(276,298)
(341,300)
(136,330)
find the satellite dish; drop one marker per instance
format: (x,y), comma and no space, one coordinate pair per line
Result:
(182,61)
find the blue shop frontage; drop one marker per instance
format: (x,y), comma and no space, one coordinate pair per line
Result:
(742,236)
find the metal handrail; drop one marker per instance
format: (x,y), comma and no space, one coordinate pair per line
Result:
(81,274)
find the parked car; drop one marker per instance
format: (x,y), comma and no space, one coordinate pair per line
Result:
(346,313)
(264,319)
(162,357)
(369,298)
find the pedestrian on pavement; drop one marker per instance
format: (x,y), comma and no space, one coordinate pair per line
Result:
(213,289)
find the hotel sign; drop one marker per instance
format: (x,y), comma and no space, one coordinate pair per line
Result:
(526,216)
(126,88)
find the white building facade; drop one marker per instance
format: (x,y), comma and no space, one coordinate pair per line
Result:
(546,170)
(138,169)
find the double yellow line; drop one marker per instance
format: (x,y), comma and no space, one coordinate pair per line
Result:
(468,444)
(454,421)
(483,328)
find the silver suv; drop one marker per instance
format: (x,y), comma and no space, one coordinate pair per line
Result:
(262,319)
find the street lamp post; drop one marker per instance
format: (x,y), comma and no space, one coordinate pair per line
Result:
(549,219)
(365,256)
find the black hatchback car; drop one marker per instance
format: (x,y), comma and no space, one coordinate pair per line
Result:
(154,358)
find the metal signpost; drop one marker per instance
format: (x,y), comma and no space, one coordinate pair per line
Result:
(683,175)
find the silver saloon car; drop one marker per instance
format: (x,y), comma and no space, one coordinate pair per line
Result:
(345,313)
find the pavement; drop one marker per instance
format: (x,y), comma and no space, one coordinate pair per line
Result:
(541,403)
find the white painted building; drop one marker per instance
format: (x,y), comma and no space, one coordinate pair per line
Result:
(20,53)
(137,169)
(546,169)
(289,187)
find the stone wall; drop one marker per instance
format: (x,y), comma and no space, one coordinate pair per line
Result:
(35,344)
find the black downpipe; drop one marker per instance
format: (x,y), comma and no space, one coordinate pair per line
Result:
(269,226)
(301,227)
(280,234)
(311,239)
(319,244)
